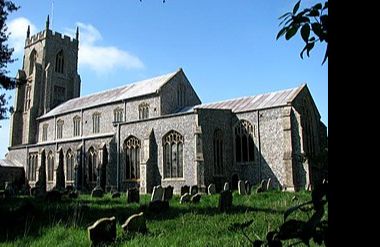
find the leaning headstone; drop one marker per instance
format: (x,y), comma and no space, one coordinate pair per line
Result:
(262,186)
(158,191)
(241,188)
(211,189)
(195,198)
(135,223)
(225,201)
(97,192)
(102,231)
(133,195)
(226,186)
(185,198)
(194,189)
(116,194)
(247,186)
(168,193)
(269,184)
(185,189)
(158,206)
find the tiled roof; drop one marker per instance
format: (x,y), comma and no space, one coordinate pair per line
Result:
(8,163)
(132,90)
(249,103)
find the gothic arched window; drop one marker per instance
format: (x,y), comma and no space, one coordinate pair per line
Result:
(143,111)
(69,165)
(76,121)
(60,129)
(181,95)
(132,147)
(244,145)
(50,162)
(96,122)
(32,61)
(32,166)
(218,152)
(92,165)
(59,62)
(118,115)
(173,154)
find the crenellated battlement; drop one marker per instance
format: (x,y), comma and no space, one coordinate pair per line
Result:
(55,36)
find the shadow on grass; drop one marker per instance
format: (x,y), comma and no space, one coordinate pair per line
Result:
(27,216)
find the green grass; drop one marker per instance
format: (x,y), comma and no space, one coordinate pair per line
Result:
(65,223)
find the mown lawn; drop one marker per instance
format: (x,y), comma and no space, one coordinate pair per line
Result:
(27,221)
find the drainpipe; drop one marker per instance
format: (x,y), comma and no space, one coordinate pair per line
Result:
(118,157)
(258,136)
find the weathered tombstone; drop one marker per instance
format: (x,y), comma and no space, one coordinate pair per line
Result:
(33,191)
(269,184)
(185,198)
(241,188)
(102,231)
(97,192)
(168,193)
(158,206)
(226,186)
(195,198)
(135,223)
(9,190)
(53,196)
(185,189)
(133,195)
(194,189)
(262,186)
(225,201)
(69,188)
(157,193)
(247,186)
(211,189)
(116,194)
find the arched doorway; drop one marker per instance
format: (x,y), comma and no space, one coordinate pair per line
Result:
(92,164)
(103,172)
(60,174)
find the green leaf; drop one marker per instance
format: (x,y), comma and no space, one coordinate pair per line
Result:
(284,15)
(305,32)
(291,32)
(316,27)
(296,7)
(326,54)
(313,13)
(281,32)
(317,6)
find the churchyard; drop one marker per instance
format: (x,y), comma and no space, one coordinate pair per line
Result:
(198,221)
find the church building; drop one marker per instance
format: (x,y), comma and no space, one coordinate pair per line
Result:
(153,132)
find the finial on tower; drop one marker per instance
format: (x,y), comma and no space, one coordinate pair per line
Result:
(77,34)
(47,23)
(28,32)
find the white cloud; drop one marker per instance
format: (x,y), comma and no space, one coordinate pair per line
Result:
(17,28)
(102,58)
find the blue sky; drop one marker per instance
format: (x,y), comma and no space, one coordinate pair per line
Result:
(227,48)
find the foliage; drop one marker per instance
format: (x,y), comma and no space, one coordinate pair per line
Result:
(6,82)
(309,21)
(314,228)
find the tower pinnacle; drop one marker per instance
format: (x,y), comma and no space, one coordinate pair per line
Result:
(47,23)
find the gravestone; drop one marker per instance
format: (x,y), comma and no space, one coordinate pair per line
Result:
(53,196)
(102,231)
(116,194)
(168,193)
(262,186)
(135,223)
(185,198)
(269,184)
(241,188)
(97,192)
(195,198)
(158,206)
(211,189)
(226,186)
(194,189)
(185,189)
(247,186)
(158,191)
(133,195)
(225,201)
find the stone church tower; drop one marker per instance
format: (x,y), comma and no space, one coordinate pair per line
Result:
(49,69)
